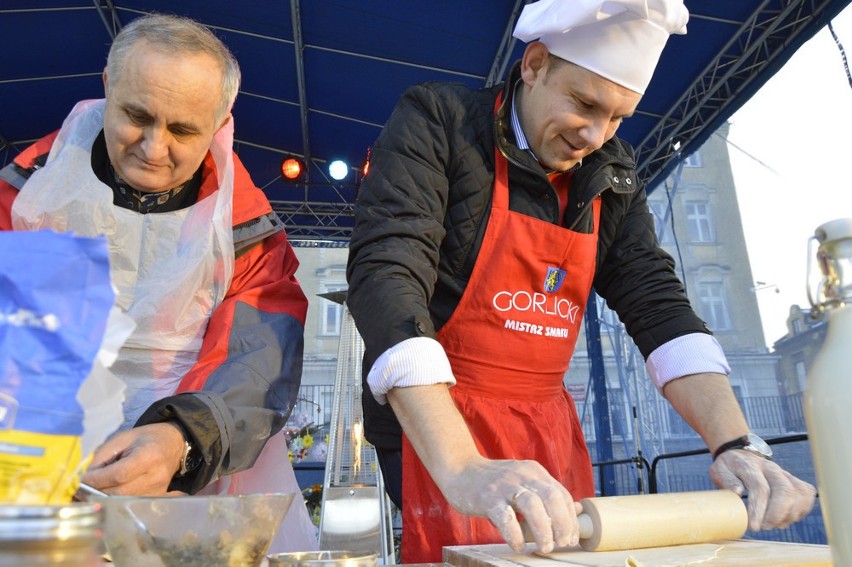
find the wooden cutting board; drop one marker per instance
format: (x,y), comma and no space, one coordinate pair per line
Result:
(729,553)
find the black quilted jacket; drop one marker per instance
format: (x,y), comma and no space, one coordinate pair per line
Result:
(421,214)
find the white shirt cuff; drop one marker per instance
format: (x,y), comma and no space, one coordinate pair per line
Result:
(689,354)
(419,361)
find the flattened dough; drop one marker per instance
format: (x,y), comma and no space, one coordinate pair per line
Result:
(673,556)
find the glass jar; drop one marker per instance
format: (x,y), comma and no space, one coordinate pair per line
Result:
(828,390)
(55,536)
(324,559)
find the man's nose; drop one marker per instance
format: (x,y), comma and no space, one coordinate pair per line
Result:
(155,144)
(594,133)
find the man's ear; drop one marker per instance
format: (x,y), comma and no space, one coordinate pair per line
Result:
(534,62)
(105,78)
(224,121)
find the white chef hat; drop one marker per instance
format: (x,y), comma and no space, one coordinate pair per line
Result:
(620,40)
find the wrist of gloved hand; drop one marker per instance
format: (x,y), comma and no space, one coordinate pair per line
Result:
(775,498)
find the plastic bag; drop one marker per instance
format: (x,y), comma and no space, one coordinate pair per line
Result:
(55,300)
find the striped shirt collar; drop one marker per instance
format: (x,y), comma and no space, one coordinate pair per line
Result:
(516,124)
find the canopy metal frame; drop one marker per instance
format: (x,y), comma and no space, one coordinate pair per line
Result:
(765,37)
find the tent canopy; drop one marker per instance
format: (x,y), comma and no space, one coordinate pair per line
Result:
(320,77)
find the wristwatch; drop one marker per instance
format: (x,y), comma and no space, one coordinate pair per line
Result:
(750,442)
(191,458)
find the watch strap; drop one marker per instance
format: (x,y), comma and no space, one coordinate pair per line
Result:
(737,443)
(742,442)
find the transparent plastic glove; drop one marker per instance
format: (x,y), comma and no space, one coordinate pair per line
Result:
(776,498)
(500,490)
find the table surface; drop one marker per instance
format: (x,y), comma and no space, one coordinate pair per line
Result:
(728,553)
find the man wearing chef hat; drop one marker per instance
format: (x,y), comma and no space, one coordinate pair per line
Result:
(485,220)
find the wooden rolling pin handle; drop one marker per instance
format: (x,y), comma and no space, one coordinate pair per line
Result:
(587,527)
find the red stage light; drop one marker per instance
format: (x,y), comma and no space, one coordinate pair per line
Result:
(293,169)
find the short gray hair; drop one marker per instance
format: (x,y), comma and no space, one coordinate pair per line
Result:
(181,35)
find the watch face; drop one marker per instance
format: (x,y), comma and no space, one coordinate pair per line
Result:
(194,461)
(758,445)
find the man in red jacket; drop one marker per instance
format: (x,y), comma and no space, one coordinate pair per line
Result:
(201,264)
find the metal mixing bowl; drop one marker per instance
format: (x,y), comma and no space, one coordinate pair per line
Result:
(192,531)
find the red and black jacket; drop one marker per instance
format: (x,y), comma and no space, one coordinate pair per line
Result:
(247,378)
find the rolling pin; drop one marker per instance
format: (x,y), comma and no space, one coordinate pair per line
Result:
(614,523)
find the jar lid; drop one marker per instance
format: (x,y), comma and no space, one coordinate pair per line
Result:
(836,229)
(337,558)
(59,522)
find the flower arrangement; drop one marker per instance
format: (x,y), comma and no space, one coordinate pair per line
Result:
(313,501)
(305,440)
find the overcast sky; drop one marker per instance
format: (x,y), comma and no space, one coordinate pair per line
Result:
(798,132)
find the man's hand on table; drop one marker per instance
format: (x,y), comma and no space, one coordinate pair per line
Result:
(501,490)
(141,461)
(776,498)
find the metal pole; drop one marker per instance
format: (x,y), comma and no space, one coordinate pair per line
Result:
(299,47)
(603,429)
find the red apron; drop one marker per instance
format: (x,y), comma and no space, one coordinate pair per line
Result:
(509,342)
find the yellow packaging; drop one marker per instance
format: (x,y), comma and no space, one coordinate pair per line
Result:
(37,468)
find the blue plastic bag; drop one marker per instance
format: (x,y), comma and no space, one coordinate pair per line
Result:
(55,299)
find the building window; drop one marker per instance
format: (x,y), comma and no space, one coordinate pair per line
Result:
(331,312)
(663,222)
(327,406)
(677,426)
(801,374)
(714,307)
(699,222)
(692,160)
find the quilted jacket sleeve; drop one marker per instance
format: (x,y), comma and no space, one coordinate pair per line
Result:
(400,209)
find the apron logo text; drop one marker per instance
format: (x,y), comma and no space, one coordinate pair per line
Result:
(541,330)
(537,303)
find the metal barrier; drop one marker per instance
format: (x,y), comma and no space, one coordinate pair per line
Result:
(652,478)
(639,463)
(808,530)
